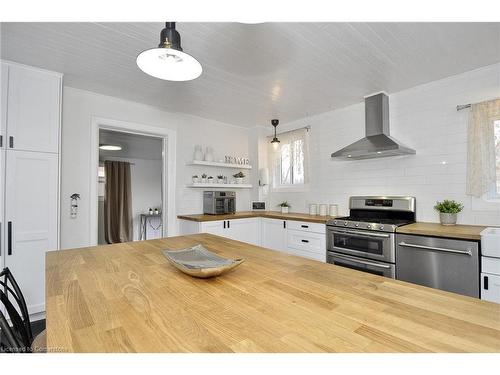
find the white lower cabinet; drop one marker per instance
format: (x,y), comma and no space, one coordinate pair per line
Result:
(300,238)
(273,234)
(31,220)
(245,230)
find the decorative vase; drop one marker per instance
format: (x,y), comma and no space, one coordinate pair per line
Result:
(210,180)
(209,154)
(239,180)
(447,219)
(203,180)
(198,153)
(196,180)
(284,210)
(220,180)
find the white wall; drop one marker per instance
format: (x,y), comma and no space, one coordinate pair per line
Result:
(80,106)
(424,118)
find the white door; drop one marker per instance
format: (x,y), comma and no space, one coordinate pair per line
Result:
(273,234)
(33,110)
(31,219)
(4,79)
(214,227)
(245,230)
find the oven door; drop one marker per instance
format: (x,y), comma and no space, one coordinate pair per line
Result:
(365,244)
(359,264)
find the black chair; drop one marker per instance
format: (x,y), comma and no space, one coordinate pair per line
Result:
(18,336)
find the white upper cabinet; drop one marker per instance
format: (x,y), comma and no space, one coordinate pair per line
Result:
(31,212)
(33,109)
(4,81)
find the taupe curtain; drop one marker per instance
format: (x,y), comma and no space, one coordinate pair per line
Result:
(117,202)
(481,164)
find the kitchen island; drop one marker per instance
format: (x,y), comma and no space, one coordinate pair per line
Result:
(128,298)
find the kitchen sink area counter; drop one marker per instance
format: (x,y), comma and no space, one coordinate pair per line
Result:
(460,231)
(267,214)
(127,298)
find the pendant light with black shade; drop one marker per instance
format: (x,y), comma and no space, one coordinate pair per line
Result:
(168,61)
(275,142)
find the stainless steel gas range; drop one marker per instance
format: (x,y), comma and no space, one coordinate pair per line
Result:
(365,240)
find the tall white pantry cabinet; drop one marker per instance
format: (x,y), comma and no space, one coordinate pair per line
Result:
(29,178)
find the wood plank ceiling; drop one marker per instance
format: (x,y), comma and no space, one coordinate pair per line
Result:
(255,72)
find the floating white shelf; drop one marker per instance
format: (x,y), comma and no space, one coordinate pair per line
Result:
(215,185)
(220,165)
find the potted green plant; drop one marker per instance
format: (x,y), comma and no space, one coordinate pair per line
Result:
(196,179)
(203,178)
(284,207)
(239,177)
(220,179)
(448,210)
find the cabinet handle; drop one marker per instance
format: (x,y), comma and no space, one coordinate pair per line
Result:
(11,142)
(305,226)
(228,226)
(1,140)
(306,241)
(284,224)
(224,224)
(485,282)
(9,238)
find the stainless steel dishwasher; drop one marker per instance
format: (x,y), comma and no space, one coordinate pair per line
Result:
(446,264)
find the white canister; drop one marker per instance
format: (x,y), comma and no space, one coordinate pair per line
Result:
(313,209)
(334,210)
(322,209)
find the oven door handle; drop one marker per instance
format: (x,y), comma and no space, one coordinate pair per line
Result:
(356,233)
(355,260)
(466,252)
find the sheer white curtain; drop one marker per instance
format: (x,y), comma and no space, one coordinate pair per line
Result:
(481,174)
(289,162)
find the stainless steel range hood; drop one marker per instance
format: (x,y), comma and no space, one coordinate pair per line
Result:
(377,143)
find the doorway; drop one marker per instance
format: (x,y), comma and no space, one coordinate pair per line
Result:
(130,187)
(118,131)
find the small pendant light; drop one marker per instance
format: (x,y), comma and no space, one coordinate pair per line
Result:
(168,62)
(275,142)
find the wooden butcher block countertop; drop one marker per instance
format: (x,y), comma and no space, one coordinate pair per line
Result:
(465,232)
(128,298)
(269,214)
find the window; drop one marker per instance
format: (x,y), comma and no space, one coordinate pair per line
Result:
(496,129)
(289,159)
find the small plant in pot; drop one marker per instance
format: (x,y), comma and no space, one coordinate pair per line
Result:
(210,179)
(239,177)
(448,210)
(284,207)
(203,178)
(220,179)
(196,179)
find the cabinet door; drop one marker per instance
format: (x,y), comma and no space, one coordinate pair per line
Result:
(33,110)
(31,213)
(273,234)
(490,287)
(245,230)
(4,79)
(2,223)
(214,227)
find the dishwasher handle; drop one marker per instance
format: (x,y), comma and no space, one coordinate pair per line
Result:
(442,249)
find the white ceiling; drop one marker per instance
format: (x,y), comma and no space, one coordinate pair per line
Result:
(252,73)
(134,146)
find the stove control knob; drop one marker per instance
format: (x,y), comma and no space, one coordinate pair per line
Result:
(369,226)
(381,227)
(334,222)
(357,224)
(345,223)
